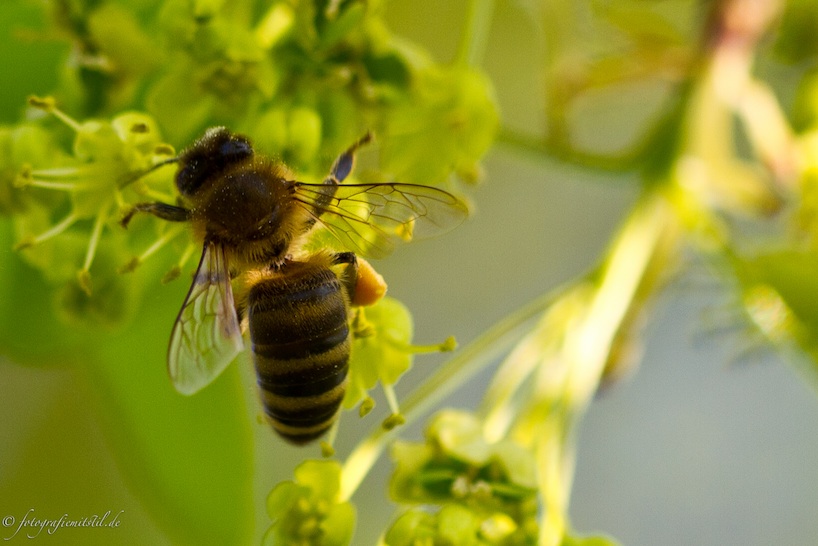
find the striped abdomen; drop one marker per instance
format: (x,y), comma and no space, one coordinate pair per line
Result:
(300,335)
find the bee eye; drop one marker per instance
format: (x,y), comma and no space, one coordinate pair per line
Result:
(190,176)
(234,149)
(210,156)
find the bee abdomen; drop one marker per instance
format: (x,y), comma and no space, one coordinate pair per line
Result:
(301,419)
(300,334)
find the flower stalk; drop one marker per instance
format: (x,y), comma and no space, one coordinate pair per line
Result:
(569,374)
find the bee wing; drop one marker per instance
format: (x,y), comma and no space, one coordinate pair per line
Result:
(370,219)
(206,336)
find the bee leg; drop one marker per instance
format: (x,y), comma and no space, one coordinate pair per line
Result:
(337,174)
(350,277)
(343,165)
(171,213)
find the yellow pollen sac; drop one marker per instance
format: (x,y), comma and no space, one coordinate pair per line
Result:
(370,286)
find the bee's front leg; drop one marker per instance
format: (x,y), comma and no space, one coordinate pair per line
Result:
(171,213)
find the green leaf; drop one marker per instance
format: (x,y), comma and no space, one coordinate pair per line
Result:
(50,417)
(189,458)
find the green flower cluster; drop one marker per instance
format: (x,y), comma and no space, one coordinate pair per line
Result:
(487,491)
(63,205)
(308,511)
(140,80)
(382,335)
(302,80)
(382,352)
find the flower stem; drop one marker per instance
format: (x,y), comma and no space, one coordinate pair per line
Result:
(568,376)
(96,232)
(63,225)
(455,372)
(474,41)
(167,237)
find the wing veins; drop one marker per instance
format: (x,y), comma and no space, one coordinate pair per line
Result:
(206,335)
(372,218)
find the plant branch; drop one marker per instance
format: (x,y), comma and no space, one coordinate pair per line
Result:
(449,377)
(474,40)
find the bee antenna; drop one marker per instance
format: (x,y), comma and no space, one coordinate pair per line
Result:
(136,176)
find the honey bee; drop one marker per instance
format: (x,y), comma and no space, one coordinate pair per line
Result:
(253,219)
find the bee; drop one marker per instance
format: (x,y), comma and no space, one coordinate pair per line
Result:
(253,219)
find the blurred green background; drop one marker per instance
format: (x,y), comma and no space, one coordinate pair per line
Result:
(704,445)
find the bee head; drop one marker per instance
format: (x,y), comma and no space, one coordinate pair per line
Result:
(217,150)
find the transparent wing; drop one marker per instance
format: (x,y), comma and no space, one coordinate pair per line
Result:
(370,219)
(206,336)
